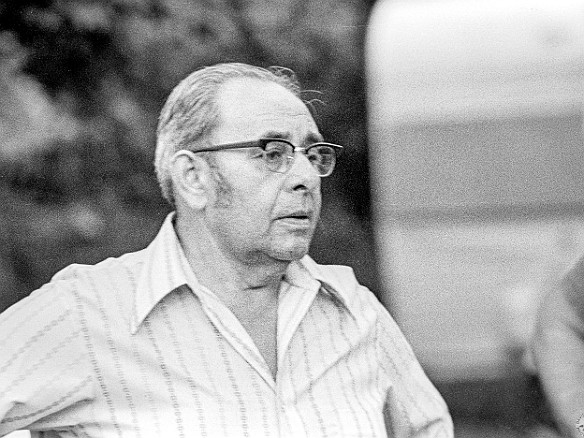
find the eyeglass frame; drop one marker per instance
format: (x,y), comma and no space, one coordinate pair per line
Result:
(263,142)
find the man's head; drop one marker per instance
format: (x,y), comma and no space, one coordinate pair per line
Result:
(190,112)
(251,202)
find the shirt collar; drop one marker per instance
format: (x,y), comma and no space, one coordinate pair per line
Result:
(307,272)
(166,268)
(162,272)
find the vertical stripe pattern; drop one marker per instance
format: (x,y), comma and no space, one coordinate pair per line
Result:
(135,347)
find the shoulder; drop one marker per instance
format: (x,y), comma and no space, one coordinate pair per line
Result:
(342,279)
(338,275)
(71,288)
(31,330)
(343,276)
(368,311)
(127,264)
(44,363)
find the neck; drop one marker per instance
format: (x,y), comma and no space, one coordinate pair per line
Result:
(230,277)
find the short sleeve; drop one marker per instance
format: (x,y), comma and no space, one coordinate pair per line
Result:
(414,407)
(44,370)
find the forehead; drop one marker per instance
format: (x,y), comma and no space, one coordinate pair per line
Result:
(250,108)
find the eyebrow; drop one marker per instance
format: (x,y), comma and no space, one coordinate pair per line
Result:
(285,135)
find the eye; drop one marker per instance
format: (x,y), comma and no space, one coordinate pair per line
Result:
(319,153)
(275,151)
(314,156)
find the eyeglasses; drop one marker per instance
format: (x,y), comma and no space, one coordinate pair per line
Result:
(279,154)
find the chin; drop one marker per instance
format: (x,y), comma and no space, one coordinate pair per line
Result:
(291,253)
(288,247)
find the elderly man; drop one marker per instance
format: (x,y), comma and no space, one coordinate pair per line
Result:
(223,326)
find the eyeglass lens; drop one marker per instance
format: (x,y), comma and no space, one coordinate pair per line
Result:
(279,156)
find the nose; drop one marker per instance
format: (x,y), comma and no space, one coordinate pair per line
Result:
(302,175)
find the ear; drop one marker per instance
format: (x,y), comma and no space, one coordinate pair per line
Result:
(191,179)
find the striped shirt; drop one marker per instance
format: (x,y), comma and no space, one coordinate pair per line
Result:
(135,346)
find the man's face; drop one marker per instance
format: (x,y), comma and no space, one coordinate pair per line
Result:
(255,213)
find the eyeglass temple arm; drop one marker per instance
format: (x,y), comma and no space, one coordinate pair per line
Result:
(238,145)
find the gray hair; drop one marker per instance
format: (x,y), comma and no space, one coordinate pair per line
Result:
(190,112)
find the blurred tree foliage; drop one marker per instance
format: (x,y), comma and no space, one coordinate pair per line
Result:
(85,80)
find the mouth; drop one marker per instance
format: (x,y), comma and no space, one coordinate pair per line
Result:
(301,219)
(297,215)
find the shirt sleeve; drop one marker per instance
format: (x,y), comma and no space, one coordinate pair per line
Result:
(414,407)
(558,349)
(44,371)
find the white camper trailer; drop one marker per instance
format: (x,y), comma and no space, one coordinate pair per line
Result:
(477,169)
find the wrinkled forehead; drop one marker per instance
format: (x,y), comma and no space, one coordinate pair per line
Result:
(251,108)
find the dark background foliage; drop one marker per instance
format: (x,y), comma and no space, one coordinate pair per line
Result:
(82,82)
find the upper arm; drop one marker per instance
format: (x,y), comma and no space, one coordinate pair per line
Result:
(43,363)
(414,407)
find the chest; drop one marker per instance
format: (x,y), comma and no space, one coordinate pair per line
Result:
(187,370)
(261,326)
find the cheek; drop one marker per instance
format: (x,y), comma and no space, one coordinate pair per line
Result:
(245,198)
(223,191)
(249,214)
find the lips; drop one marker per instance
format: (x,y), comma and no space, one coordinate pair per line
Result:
(296,220)
(297,214)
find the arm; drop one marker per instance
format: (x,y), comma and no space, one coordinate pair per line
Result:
(43,366)
(414,408)
(558,348)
